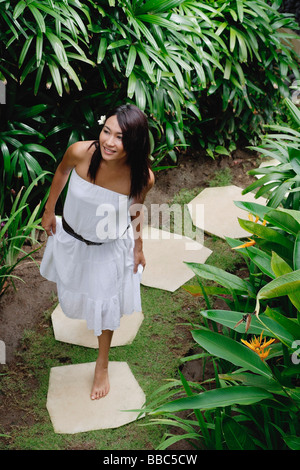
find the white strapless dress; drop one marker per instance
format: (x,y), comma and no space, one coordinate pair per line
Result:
(94,282)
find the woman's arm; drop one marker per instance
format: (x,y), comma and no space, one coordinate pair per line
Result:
(70,159)
(138,216)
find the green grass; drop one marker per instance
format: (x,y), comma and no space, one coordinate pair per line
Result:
(222,177)
(154,356)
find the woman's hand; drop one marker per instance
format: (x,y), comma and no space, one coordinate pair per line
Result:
(139,257)
(49,222)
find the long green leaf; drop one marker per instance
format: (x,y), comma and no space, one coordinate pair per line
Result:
(73,75)
(102,50)
(231,281)
(31,111)
(6,156)
(277,197)
(262,324)
(29,67)
(75,16)
(160,21)
(236,436)
(39,48)
(140,95)
(54,70)
(240,10)
(296,258)
(284,285)
(130,60)
(293,110)
(196,291)
(158,6)
(58,47)
(38,17)
(292,441)
(232,351)
(275,176)
(146,64)
(252,380)
(279,265)
(294,158)
(176,70)
(291,326)
(38,77)
(286,219)
(25,50)
(253,208)
(266,233)
(218,398)
(232,39)
(38,148)
(258,256)
(199,416)
(132,81)
(230,318)
(19,8)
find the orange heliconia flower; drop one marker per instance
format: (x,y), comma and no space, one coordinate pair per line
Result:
(245,245)
(259,346)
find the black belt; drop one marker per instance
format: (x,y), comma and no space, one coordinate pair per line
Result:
(71,232)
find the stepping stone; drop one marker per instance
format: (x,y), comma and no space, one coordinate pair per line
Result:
(72,411)
(69,330)
(220,213)
(165,255)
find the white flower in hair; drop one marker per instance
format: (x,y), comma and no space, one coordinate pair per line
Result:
(102,120)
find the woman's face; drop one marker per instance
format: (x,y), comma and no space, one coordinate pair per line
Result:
(111,142)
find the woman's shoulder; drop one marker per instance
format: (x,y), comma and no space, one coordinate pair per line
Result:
(151,179)
(81,148)
(79,152)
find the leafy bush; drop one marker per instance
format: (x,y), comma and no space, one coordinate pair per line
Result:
(16,229)
(280,182)
(253,401)
(205,72)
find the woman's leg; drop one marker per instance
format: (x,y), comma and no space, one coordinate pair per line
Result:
(100,386)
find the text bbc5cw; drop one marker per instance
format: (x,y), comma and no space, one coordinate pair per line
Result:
(172,459)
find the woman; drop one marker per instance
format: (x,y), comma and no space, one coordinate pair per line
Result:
(93,253)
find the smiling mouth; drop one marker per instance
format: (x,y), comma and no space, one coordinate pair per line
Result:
(108,150)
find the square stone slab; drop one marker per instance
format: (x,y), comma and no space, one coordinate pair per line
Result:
(165,255)
(220,215)
(72,411)
(69,330)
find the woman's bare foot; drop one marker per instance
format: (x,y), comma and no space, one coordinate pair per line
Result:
(100,386)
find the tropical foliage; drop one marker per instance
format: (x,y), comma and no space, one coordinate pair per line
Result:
(207,74)
(282,146)
(15,230)
(253,400)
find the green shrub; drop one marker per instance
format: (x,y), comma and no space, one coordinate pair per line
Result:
(253,401)
(280,180)
(16,229)
(206,73)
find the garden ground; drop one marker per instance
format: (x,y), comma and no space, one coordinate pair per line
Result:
(22,310)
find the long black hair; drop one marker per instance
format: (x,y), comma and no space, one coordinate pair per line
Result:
(136,143)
